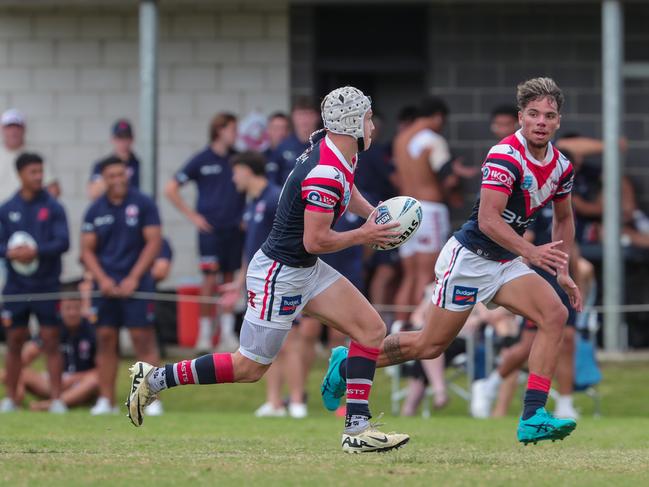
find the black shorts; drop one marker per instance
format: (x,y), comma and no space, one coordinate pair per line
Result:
(220,251)
(126,312)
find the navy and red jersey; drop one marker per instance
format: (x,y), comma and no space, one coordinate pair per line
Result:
(349,261)
(44,219)
(120,230)
(218,200)
(132,170)
(322,181)
(258,219)
(372,176)
(281,161)
(529,184)
(78,348)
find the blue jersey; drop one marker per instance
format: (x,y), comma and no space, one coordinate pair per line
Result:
(281,161)
(258,219)
(349,261)
(373,173)
(166,251)
(321,181)
(120,230)
(44,219)
(78,348)
(217,199)
(132,169)
(529,185)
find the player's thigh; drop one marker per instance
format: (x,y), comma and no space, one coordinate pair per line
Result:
(342,306)
(532,297)
(310,328)
(440,329)
(107,338)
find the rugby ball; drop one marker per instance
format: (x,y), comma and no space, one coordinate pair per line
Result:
(19,239)
(404,210)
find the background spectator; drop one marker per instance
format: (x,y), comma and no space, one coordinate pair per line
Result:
(122,141)
(217,217)
(33,237)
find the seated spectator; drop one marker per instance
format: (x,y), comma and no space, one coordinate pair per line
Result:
(80,383)
(122,142)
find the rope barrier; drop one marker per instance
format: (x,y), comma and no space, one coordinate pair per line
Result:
(183,298)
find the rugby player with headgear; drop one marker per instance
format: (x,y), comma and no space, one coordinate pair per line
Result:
(483,261)
(286,277)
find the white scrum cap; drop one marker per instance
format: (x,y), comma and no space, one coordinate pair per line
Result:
(343,111)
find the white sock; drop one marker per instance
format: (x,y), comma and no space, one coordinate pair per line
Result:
(157,381)
(227,324)
(205,328)
(494,380)
(565,402)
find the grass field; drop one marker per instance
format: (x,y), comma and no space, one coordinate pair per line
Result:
(209,437)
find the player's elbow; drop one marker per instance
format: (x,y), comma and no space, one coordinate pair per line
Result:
(171,188)
(485,224)
(312,244)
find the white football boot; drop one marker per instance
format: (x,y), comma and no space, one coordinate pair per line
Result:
(297,410)
(482,398)
(267,410)
(140,395)
(371,439)
(7,405)
(57,407)
(102,407)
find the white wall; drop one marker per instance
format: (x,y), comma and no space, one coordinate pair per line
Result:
(73,71)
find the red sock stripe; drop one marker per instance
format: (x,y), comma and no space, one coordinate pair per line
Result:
(358,350)
(184,371)
(223,367)
(538,383)
(359,391)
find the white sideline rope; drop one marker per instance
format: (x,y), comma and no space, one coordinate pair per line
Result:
(184,298)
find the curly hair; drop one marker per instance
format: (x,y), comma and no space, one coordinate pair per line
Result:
(537,89)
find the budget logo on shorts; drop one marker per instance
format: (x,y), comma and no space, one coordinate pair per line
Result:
(289,304)
(465,295)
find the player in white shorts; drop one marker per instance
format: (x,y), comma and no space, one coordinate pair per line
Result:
(483,261)
(286,277)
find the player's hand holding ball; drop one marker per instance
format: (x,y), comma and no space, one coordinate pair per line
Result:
(377,234)
(400,217)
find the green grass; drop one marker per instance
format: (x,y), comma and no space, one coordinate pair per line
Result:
(209,437)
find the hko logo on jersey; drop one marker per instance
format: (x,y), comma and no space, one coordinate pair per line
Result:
(498,176)
(289,304)
(465,295)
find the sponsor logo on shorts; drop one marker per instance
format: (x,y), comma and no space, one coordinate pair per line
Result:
(289,304)
(251,298)
(382,215)
(465,295)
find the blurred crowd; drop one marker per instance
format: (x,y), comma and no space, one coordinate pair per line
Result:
(238,176)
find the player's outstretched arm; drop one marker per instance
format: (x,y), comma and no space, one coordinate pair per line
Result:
(492,224)
(319,238)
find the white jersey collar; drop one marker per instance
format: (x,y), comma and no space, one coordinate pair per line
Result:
(549,154)
(339,155)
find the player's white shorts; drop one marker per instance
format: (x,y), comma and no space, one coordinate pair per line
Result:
(464,279)
(433,231)
(277,293)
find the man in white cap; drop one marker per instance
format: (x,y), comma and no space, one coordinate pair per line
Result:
(286,277)
(13,144)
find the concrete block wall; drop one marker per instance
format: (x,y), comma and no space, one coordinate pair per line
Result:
(73,71)
(479,53)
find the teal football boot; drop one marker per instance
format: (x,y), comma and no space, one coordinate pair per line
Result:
(334,385)
(544,426)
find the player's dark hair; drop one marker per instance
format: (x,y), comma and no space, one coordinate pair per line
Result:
(275,115)
(432,105)
(251,159)
(27,158)
(109,161)
(219,122)
(407,114)
(509,110)
(71,287)
(537,89)
(304,103)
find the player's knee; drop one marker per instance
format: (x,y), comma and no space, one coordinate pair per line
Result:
(555,319)
(372,336)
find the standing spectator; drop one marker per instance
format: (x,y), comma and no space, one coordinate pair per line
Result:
(80,378)
(14,128)
(277,130)
(33,236)
(305,119)
(217,216)
(504,121)
(122,142)
(119,242)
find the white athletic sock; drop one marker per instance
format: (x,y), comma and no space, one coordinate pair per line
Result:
(157,380)
(565,402)
(205,328)
(494,380)
(227,324)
